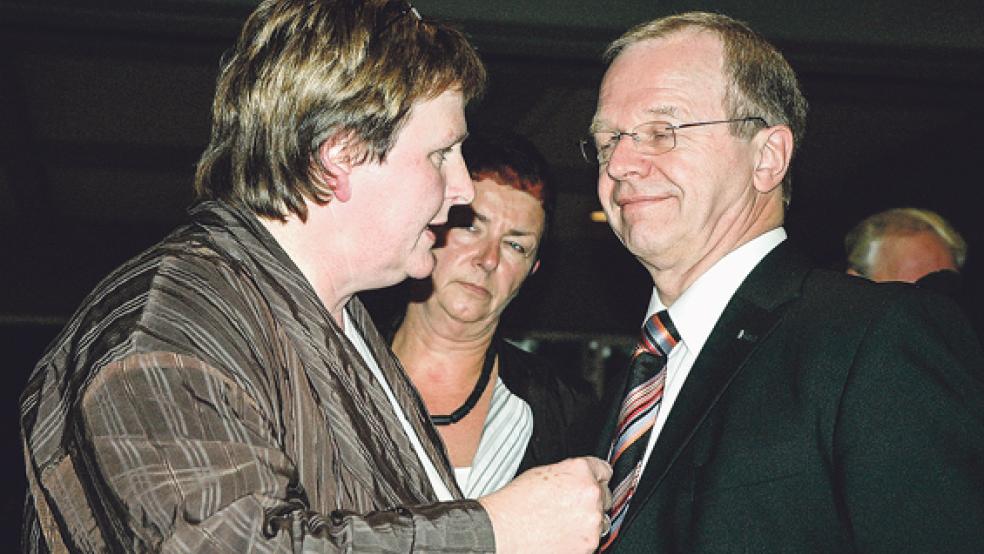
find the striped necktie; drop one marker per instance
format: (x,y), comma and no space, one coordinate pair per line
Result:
(644,392)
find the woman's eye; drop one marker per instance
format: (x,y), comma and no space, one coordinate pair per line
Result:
(442,155)
(519,248)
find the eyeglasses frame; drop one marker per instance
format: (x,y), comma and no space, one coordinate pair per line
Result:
(617,135)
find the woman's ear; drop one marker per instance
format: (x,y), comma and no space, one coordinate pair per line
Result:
(336,165)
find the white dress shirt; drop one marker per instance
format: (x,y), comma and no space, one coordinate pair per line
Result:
(696,312)
(441,489)
(505,436)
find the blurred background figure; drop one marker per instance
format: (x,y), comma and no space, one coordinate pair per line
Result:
(915,246)
(904,244)
(498,408)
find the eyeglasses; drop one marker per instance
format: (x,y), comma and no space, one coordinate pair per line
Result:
(649,139)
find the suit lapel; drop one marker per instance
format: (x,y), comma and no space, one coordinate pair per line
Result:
(749,317)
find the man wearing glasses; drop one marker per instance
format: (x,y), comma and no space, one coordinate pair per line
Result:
(770,407)
(225,391)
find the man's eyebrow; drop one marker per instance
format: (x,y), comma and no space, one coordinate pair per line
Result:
(598,125)
(663,110)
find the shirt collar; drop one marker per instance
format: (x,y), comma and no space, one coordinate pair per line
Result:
(697,310)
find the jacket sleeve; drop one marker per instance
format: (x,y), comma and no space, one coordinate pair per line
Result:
(909,437)
(181,459)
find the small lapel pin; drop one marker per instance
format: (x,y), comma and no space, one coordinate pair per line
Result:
(746,336)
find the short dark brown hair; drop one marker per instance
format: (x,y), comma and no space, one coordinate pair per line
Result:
(304,71)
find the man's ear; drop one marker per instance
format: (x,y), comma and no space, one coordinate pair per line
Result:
(774,155)
(336,165)
(536,266)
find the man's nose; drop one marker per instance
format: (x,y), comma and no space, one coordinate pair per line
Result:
(625,159)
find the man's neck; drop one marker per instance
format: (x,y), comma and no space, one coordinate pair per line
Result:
(672,279)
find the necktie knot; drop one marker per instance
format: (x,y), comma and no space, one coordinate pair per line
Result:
(659,335)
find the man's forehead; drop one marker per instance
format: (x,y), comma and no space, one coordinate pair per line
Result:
(655,111)
(663,76)
(692,41)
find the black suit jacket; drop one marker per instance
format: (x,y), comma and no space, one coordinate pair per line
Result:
(824,414)
(559,403)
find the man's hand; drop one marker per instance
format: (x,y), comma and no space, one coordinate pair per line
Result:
(555,508)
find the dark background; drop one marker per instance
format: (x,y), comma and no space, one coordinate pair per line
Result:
(104,109)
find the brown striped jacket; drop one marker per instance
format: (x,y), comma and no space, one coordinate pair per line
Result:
(202,399)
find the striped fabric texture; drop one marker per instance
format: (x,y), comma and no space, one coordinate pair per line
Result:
(202,399)
(506,433)
(644,393)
